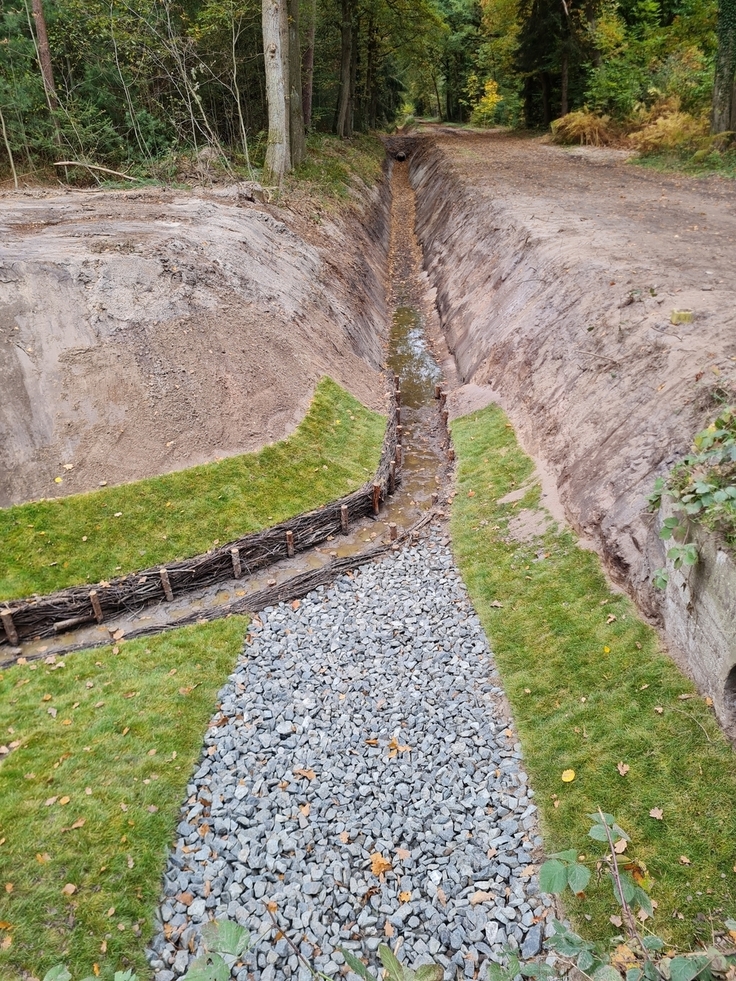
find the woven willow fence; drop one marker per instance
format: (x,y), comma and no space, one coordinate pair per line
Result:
(67,609)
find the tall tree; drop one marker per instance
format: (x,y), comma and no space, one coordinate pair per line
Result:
(44,55)
(344,120)
(278,89)
(308,63)
(296,112)
(723,117)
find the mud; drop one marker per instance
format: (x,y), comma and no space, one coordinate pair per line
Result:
(556,275)
(145,331)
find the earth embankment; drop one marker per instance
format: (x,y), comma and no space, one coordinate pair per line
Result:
(146,331)
(556,275)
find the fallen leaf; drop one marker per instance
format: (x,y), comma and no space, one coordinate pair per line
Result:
(402,854)
(480,897)
(379,864)
(568,776)
(371,742)
(344,837)
(46,698)
(5,943)
(295,605)
(496,604)
(152,809)
(388,929)
(126,730)
(131,863)
(623,768)
(42,858)
(471,493)
(441,896)
(9,886)
(656,813)
(685,695)
(642,915)
(79,823)
(69,889)
(4,925)
(305,808)
(118,634)
(405,897)
(96,970)
(684,860)
(616,920)
(658,709)
(708,701)
(50,801)
(606,650)
(64,800)
(620,846)
(308,774)
(611,617)
(271,906)
(103,945)
(111,911)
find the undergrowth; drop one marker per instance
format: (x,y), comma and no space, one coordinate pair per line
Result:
(98,749)
(50,544)
(606,720)
(332,165)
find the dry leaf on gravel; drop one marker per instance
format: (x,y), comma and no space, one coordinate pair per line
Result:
(403,854)
(480,897)
(379,864)
(405,897)
(301,772)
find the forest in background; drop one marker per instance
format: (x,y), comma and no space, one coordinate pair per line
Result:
(130,84)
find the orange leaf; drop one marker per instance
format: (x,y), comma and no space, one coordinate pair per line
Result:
(305,808)
(344,837)
(301,772)
(405,897)
(379,864)
(9,887)
(4,925)
(64,800)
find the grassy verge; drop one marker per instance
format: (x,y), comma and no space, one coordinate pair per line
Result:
(90,798)
(51,544)
(332,165)
(590,689)
(722,164)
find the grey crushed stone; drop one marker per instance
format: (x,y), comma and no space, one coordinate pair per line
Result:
(367,721)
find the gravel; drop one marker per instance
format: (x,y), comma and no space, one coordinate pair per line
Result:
(362,778)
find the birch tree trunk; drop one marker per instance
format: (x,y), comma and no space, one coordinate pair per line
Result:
(276,57)
(296,113)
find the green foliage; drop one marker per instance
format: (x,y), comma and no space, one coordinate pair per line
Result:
(394,969)
(702,489)
(91,537)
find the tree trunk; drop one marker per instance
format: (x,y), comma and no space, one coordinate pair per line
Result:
(44,55)
(276,56)
(547,113)
(296,113)
(344,113)
(723,118)
(564,82)
(308,66)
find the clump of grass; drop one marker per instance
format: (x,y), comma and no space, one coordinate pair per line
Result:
(91,795)
(51,544)
(590,689)
(672,131)
(333,165)
(584,127)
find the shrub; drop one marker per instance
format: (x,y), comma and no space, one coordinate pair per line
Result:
(672,131)
(484,111)
(584,127)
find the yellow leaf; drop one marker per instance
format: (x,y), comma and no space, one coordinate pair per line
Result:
(64,800)
(4,925)
(568,776)
(379,864)
(308,774)
(66,722)
(606,650)
(46,698)
(43,858)
(69,889)
(96,970)
(58,480)
(405,897)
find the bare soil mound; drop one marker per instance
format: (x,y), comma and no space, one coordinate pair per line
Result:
(146,331)
(557,273)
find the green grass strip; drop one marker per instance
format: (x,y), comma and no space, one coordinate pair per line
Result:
(91,797)
(590,688)
(50,544)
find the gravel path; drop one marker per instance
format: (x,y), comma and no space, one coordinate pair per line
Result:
(363,777)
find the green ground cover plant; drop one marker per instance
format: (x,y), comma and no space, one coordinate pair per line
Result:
(50,544)
(98,749)
(331,167)
(605,718)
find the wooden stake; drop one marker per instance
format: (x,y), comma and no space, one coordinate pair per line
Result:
(435,497)
(437,391)
(96,608)
(392,477)
(399,434)
(451,454)
(397,382)
(392,533)
(397,456)
(290,544)
(168,593)
(235,556)
(10,632)
(398,415)
(344,520)
(398,396)
(376,498)
(443,399)
(445,416)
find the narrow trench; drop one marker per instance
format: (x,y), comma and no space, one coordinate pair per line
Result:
(415,349)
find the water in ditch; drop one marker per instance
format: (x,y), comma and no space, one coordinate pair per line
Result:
(413,339)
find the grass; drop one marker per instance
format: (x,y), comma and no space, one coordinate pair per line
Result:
(91,796)
(590,689)
(332,166)
(50,544)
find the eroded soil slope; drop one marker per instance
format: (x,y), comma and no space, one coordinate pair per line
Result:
(145,331)
(557,273)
